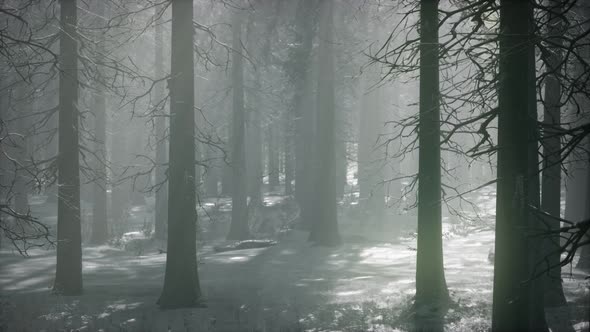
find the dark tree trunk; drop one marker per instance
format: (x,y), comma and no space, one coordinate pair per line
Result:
(4,162)
(581,208)
(68,270)
(119,195)
(289,156)
(211,172)
(576,190)
(273,155)
(535,244)
(324,230)
(341,162)
(239,228)
(198,168)
(551,180)
(21,192)
(254,139)
(140,181)
(584,260)
(308,150)
(299,72)
(431,288)
(515,305)
(255,155)
(161,208)
(227,173)
(52,145)
(181,281)
(100,234)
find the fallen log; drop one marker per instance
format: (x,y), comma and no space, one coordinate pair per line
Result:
(245,244)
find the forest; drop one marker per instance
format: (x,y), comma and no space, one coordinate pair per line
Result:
(294,165)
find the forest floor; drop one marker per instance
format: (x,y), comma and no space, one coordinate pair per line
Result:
(366,284)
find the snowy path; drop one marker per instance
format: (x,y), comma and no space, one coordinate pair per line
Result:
(293,286)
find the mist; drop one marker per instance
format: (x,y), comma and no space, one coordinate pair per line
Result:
(304,165)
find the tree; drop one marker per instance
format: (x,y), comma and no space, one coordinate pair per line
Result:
(273,153)
(100,233)
(68,271)
(21,201)
(324,230)
(254,140)
(551,179)
(161,207)
(254,164)
(584,260)
(239,228)
(581,176)
(181,281)
(431,288)
(370,151)
(514,307)
(575,184)
(299,73)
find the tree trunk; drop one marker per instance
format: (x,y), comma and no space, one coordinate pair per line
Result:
(68,271)
(303,125)
(255,155)
(289,156)
(226,176)
(239,228)
(211,172)
(515,307)
(161,208)
(52,145)
(341,162)
(254,166)
(431,288)
(21,192)
(4,162)
(99,234)
(140,181)
(324,230)
(583,208)
(273,155)
(576,192)
(370,155)
(551,194)
(584,260)
(119,195)
(535,244)
(181,281)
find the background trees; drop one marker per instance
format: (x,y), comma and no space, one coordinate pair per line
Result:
(374,129)
(239,229)
(99,212)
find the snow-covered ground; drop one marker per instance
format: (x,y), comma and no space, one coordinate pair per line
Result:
(364,285)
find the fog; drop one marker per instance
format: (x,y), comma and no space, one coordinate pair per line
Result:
(306,165)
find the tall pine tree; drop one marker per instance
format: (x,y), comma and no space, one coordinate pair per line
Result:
(68,271)
(515,302)
(431,288)
(181,281)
